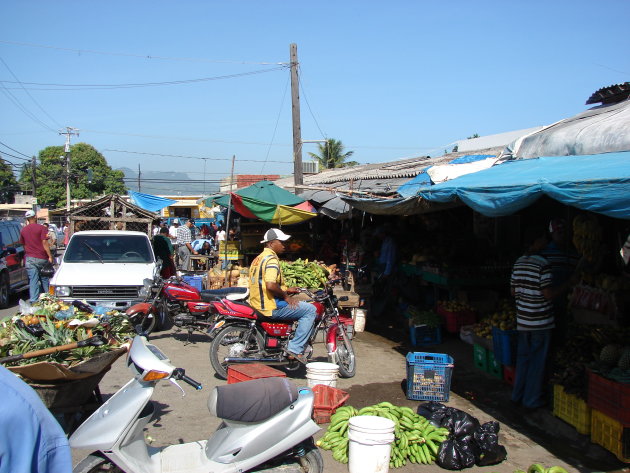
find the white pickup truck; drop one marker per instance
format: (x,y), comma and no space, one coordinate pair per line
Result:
(104,267)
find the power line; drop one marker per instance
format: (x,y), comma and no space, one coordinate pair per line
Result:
(275,129)
(308,104)
(75,87)
(192,157)
(139,56)
(16,151)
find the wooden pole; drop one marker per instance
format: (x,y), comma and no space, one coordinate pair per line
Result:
(295,114)
(227,223)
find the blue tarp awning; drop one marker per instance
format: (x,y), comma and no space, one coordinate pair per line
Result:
(597,183)
(149,202)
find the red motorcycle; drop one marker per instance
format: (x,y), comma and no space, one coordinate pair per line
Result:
(243,335)
(173,302)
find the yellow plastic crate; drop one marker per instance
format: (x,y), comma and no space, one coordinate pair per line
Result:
(611,434)
(572,410)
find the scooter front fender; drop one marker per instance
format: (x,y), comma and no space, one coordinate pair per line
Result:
(109,424)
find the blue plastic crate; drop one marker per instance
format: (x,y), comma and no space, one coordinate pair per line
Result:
(194,281)
(429,376)
(504,343)
(423,335)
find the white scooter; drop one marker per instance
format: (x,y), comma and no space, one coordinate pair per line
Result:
(266,424)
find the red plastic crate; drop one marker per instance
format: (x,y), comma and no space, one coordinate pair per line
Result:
(453,321)
(327,400)
(249,371)
(610,397)
(509,374)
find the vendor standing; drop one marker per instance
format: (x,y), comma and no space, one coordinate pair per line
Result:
(269,296)
(184,247)
(34,237)
(163,249)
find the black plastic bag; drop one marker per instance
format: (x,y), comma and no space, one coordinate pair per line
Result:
(456,454)
(487,440)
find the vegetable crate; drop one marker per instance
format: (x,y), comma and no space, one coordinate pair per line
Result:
(429,376)
(571,409)
(611,434)
(194,281)
(453,321)
(504,343)
(609,397)
(509,374)
(424,335)
(247,372)
(327,401)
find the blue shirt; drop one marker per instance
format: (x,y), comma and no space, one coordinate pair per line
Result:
(31,440)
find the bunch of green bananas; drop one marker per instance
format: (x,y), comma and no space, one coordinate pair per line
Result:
(417,440)
(538,468)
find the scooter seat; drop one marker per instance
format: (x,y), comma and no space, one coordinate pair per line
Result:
(252,401)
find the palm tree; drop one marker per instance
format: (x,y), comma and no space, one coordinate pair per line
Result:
(331,155)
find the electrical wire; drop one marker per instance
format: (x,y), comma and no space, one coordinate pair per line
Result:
(16,151)
(275,129)
(308,105)
(75,87)
(140,56)
(191,157)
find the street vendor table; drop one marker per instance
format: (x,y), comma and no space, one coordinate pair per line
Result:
(206,260)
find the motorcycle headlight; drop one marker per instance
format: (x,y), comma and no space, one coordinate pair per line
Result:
(62,291)
(145,290)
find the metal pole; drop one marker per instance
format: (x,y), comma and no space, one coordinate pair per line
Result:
(295,113)
(69,132)
(227,223)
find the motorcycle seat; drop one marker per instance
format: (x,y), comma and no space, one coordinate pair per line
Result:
(252,401)
(230,293)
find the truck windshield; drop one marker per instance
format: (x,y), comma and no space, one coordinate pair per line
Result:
(108,249)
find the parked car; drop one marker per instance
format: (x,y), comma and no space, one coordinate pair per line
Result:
(104,267)
(13,276)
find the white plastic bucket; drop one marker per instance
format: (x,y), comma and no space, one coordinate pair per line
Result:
(358,316)
(370,444)
(320,372)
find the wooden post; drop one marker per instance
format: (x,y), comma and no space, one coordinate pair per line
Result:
(295,114)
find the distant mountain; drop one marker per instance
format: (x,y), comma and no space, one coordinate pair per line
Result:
(168,183)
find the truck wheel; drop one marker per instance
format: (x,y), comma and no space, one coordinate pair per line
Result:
(4,291)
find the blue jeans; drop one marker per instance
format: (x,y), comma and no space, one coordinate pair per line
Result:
(304,313)
(530,367)
(37,284)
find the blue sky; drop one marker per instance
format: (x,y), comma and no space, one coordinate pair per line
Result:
(389,79)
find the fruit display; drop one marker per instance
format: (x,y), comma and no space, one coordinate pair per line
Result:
(454,306)
(504,319)
(51,323)
(304,273)
(422,317)
(587,237)
(416,439)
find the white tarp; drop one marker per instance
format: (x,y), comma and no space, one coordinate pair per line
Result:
(601,129)
(446,172)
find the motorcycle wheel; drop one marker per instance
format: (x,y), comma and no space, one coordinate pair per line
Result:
(148,323)
(310,461)
(164,320)
(344,356)
(230,341)
(96,463)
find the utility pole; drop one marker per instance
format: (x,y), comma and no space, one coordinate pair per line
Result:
(33,164)
(139,187)
(69,132)
(295,113)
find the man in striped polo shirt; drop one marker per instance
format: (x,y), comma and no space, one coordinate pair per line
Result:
(531,285)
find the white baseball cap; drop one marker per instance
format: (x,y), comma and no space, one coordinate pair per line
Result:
(175,220)
(29,214)
(275,234)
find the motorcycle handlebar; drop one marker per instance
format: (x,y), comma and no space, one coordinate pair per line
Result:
(180,374)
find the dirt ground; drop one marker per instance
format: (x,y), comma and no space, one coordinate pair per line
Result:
(381,371)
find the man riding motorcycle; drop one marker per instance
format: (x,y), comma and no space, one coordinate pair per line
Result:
(269,296)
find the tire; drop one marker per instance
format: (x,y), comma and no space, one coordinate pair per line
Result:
(4,291)
(148,322)
(230,341)
(96,463)
(164,321)
(310,461)
(314,460)
(344,355)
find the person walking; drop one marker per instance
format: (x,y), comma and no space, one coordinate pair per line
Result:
(184,247)
(31,440)
(34,237)
(163,249)
(269,296)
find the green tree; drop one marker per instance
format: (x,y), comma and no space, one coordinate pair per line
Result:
(331,155)
(8,183)
(50,175)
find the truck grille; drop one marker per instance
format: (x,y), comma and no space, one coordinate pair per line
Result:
(105,292)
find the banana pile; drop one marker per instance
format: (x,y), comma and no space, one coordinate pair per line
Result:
(417,440)
(587,237)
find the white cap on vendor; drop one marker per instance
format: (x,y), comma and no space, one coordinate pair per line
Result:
(275,234)
(29,214)
(175,221)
